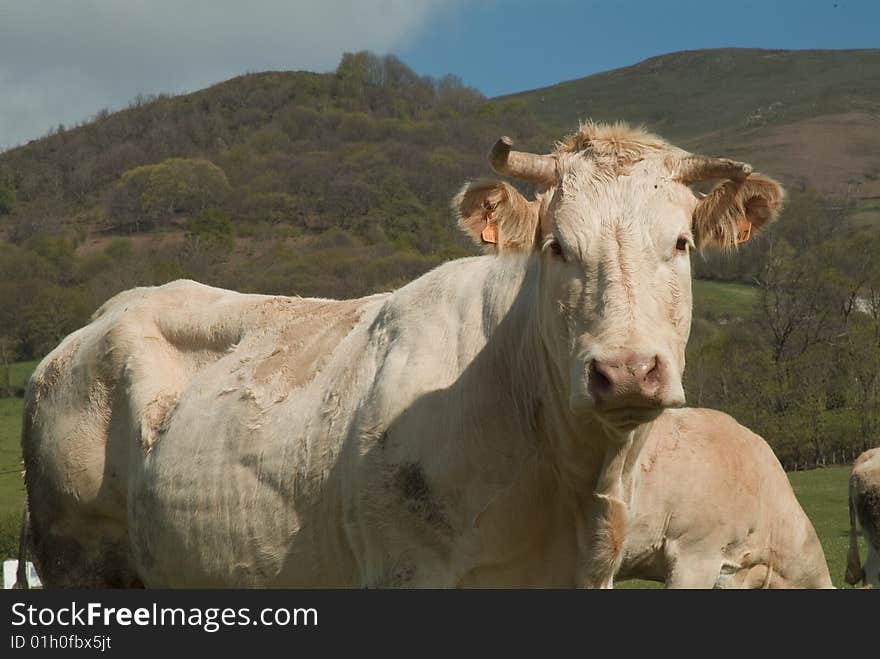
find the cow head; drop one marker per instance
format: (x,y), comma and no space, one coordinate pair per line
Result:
(613,226)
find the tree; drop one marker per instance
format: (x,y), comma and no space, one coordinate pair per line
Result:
(154,193)
(859,342)
(796,304)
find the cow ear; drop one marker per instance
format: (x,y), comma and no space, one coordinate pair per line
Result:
(497,217)
(735,211)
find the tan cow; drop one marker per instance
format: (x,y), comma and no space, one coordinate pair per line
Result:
(864,511)
(477,427)
(714,509)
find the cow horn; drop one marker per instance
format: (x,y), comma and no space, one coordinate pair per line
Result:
(520,165)
(691,169)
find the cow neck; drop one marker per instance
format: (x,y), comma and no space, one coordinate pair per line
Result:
(587,456)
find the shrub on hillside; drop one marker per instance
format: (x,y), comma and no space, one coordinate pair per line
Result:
(152,194)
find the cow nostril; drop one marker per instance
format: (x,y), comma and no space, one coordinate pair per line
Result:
(598,380)
(654,371)
(653,378)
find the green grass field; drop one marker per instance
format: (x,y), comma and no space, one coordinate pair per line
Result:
(822,493)
(11,484)
(20,372)
(722,299)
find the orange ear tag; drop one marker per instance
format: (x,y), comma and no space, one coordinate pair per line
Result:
(743,231)
(490,233)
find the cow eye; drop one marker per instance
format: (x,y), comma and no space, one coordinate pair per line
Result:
(556,248)
(682,244)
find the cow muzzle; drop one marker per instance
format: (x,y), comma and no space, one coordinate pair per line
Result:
(629,388)
(625,380)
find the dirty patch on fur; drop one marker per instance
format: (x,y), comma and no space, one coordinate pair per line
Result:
(410,482)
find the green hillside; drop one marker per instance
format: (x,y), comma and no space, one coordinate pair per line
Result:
(688,95)
(722,299)
(809,117)
(331,184)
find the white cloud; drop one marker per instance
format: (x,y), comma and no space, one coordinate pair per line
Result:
(63,60)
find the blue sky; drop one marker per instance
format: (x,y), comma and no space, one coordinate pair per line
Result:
(502,47)
(63,60)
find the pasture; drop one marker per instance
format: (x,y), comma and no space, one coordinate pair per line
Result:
(11,484)
(822,493)
(715,299)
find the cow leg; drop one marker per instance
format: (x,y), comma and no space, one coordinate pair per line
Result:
(601,532)
(83,552)
(871,570)
(601,522)
(77,543)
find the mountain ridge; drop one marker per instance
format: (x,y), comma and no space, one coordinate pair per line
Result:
(810,118)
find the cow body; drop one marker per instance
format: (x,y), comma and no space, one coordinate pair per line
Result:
(714,509)
(477,427)
(864,512)
(305,472)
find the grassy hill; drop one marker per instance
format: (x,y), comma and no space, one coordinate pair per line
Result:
(811,118)
(688,95)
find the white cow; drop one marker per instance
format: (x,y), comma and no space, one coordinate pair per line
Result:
(713,508)
(477,427)
(864,511)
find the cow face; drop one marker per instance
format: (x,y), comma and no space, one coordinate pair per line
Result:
(613,230)
(615,290)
